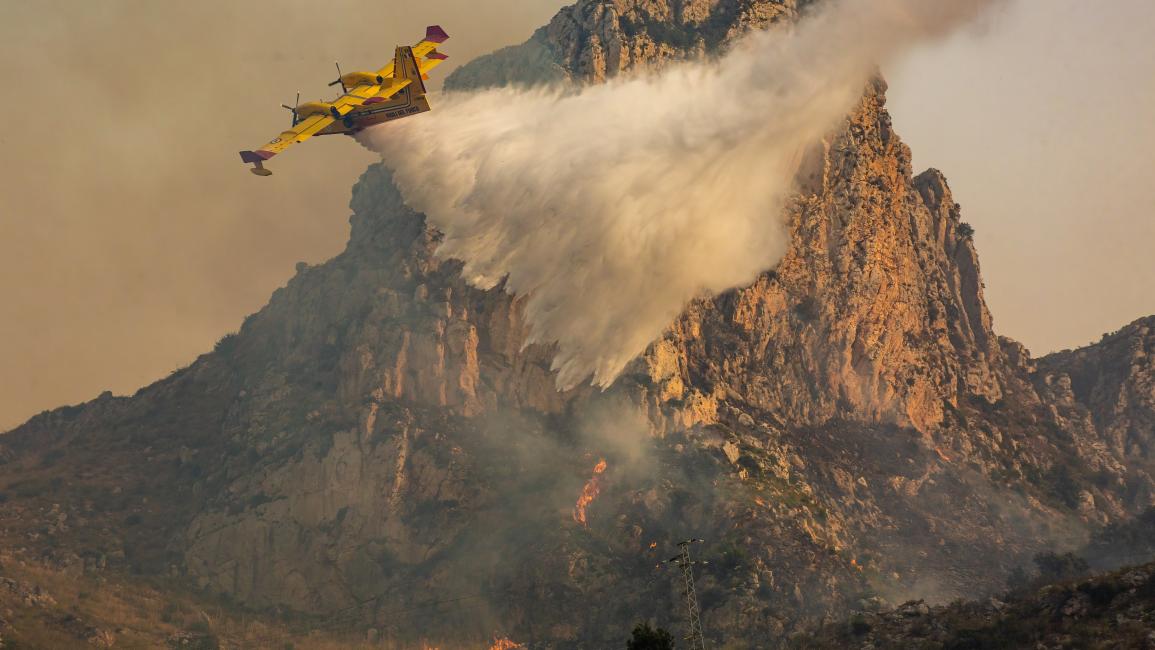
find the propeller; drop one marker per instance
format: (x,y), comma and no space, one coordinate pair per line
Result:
(339,80)
(293,108)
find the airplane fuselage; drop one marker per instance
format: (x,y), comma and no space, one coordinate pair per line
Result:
(403,104)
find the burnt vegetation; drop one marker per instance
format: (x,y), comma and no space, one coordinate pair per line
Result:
(1116,610)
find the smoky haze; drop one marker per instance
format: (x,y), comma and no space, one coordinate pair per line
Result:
(131,236)
(612,206)
(1042,122)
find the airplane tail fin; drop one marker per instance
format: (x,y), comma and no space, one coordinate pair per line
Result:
(257,158)
(405,67)
(434,34)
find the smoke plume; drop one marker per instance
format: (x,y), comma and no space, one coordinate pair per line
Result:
(611,206)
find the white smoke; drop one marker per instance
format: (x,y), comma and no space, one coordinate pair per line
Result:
(611,206)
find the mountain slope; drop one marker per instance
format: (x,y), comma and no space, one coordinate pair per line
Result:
(376,442)
(1110,611)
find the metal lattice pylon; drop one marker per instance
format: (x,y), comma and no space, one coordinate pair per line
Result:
(696,637)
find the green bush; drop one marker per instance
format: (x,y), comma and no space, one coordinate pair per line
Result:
(645,637)
(226,345)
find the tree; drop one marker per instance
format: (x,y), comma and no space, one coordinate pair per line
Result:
(648,638)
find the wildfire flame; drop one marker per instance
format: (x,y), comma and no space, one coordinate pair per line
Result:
(502,643)
(942,455)
(589,493)
(653,545)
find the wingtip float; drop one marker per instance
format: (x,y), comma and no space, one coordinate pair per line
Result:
(391,93)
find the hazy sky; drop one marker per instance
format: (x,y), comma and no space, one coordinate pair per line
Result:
(131,237)
(1044,124)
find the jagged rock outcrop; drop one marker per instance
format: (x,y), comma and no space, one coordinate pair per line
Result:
(1110,385)
(1103,396)
(875,314)
(593,41)
(889,310)
(377,438)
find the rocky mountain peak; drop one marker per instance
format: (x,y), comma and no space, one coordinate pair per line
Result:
(593,40)
(849,426)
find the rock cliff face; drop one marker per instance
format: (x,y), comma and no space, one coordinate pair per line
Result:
(868,317)
(1103,396)
(1110,386)
(592,41)
(376,442)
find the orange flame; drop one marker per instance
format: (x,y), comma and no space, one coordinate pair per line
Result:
(590,492)
(502,643)
(854,563)
(653,545)
(942,455)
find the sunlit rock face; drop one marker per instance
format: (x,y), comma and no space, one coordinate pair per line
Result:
(879,297)
(876,314)
(847,427)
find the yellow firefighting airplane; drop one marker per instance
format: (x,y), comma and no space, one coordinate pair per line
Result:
(391,93)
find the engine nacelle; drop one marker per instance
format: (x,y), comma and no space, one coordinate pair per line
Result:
(316,108)
(353,79)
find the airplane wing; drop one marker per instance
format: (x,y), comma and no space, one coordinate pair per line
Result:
(314,123)
(311,125)
(300,132)
(391,88)
(434,36)
(354,97)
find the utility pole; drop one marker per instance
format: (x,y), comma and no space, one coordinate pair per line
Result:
(696,637)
